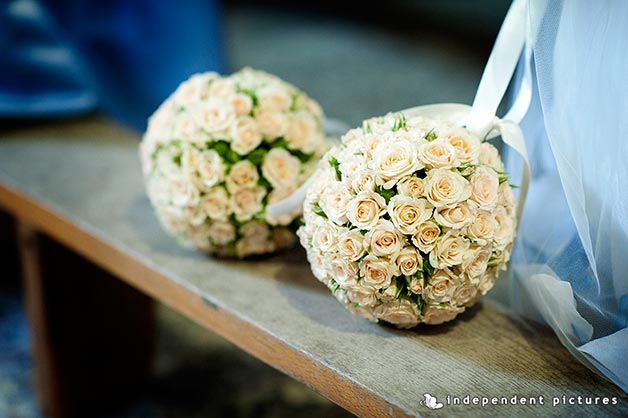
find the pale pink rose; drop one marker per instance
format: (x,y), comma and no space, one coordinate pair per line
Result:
(334,201)
(383,239)
(435,315)
(444,187)
(281,168)
(246,203)
(426,236)
(455,217)
(484,187)
(245,135)
(375,272)
(449,250)
(365,209)
(407,261)
(411,186)
(438,154)
(243,175)
(407,213)
(441,288)
(403,313)
(351,245)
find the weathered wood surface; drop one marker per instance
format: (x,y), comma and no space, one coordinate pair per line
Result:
(81,184)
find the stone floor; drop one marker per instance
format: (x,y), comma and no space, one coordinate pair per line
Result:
(355,69)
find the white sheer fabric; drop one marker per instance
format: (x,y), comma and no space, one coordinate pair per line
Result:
(570,263)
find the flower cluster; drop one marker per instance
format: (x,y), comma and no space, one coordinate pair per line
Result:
(409,220)
(220,149)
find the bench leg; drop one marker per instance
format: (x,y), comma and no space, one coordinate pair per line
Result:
(92,334)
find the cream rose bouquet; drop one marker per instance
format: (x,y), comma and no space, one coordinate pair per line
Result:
(220,149)
(409,220)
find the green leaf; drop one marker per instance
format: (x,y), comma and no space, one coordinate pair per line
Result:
(177,159)
(386,194)
(256,156)
(318,210)
(420,303)
(400,122)
(401,286)
(366,127)
(431,135)
(427,267)
(336,166)
(334,286)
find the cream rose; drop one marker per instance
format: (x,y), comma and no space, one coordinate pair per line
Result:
(408,261)
(186,129)
(475,261)
(383,239)
(441,288)
(426,236)
(245,135)
(484,187)
(375,272)
(364,210)
(407,213)
(392,160)
(255,230)
(438,154)
(351,163)
(362,295)
(182,192)
(362,181)
(242,104)
(416,285)
(252,246)
(273,98)
(467,146)
(194,89)
(487,281)
(243,175)
(482,229)
(281,168)
(221,233)
(222,87)
(301,132)
(449,250)
(325,237)
(456,217)
(411,186)
(445,187)
(271,124)
(465,295)
(435,315)
(246,203)
(344,272)
(505,228)
(214,115)
(490,156)
(215,203)
(334,201)
(277,195)
(318,265)
(403,313)
(283,238)
(351,245)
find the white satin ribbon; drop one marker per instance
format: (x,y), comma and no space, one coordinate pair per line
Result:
(480,118)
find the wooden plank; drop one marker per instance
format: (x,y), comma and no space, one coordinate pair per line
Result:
(81,184)
(92,335)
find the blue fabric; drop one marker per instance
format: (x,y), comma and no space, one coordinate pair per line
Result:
(125,56)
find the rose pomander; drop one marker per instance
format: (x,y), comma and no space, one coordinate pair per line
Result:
(409,220)
(222,148)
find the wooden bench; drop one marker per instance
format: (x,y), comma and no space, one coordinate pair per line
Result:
(76,192)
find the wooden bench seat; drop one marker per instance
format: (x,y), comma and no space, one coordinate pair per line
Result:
(80,184)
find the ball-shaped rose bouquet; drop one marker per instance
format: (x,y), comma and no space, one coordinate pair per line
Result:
(409,220)
(220,149)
